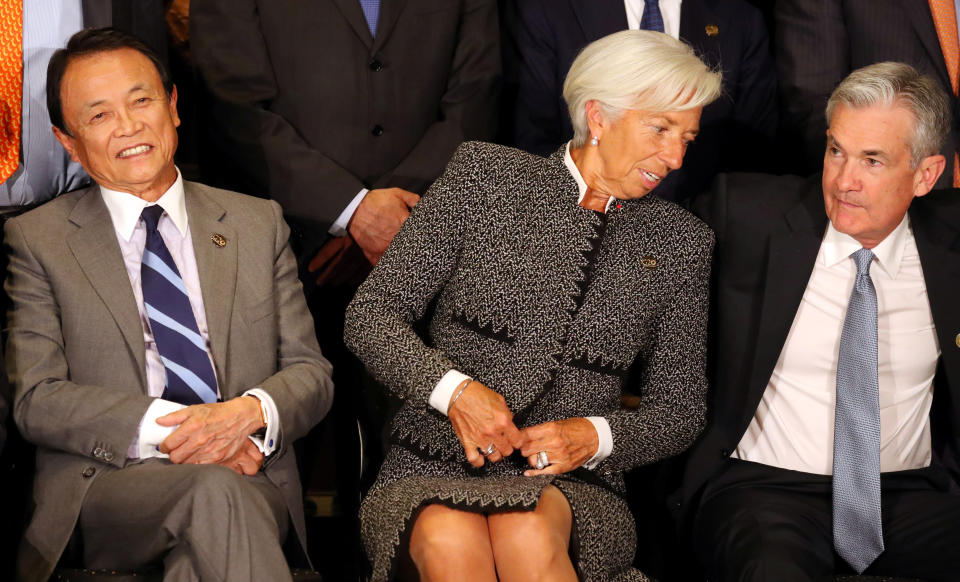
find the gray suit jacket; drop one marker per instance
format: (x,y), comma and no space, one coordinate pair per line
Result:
(76,354)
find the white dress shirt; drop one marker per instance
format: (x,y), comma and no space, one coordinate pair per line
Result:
(793,425)
(443,391)
(174,228)
(669,10)
(45,167)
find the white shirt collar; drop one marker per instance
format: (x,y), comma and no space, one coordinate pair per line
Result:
(838,246)
(578,177)
(125,208)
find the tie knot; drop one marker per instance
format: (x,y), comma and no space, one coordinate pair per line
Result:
(151,216)
(863,258)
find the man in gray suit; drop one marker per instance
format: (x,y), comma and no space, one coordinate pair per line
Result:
(161,351)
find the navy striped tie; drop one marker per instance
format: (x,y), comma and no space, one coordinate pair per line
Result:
(190,375)
(652,19)
(371,11)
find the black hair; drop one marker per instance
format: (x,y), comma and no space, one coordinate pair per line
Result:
(90,41)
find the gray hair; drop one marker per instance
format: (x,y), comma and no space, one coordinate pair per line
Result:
(636,69)
(897,84)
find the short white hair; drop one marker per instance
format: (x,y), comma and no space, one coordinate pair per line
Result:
(636,69)
(892,84)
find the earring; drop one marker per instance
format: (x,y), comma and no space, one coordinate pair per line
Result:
(594,141)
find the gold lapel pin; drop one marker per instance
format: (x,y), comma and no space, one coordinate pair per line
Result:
(957,339)
(218,239)
(712,30)
(649,262)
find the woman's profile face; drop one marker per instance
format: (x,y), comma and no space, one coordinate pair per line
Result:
(638,150)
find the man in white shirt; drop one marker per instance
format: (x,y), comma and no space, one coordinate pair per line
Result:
(831,443)
(160,346)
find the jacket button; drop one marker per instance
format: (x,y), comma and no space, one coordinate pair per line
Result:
(97,452)
(108,456)
(377,130)
(724,453)
(88,472)
(376,66)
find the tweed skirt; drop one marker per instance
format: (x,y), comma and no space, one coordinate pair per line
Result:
(603,538)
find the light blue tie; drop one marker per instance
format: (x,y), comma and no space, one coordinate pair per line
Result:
(190,375)
(857,531)
(652,19)
(371,10)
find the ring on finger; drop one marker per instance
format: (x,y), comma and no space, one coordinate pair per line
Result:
(489,450)
(542,460)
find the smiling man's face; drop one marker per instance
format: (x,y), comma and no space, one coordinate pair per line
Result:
(122,124)
(868,183)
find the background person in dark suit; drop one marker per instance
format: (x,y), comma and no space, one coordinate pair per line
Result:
(780,452)
(729,35)
(818,42)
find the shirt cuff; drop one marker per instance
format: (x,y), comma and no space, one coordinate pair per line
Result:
(443,391)
(606,441)
(271,417)
(150,434)
(339,227)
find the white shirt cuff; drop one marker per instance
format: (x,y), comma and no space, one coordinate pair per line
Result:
(268,443)
(443,391)
(606,441)
(151,434)
(339,227)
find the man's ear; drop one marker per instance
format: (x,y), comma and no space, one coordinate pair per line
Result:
(67,142)
(927,174)
(173,107)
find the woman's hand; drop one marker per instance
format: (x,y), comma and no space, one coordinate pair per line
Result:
(568,444)
(481,418)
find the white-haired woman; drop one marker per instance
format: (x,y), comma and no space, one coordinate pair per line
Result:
(549,277)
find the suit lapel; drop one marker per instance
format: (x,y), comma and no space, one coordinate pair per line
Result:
(695,17)
(94,246)
(790,261)
(390,11)
(939,247)
(598,18)
(217,267)
(97,13)
(918,13)
(354,16)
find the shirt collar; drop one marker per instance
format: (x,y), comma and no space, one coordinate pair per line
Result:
(575,172)
(838,246)
(125,208)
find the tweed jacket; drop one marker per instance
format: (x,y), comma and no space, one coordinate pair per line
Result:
(543,301)
(76,353)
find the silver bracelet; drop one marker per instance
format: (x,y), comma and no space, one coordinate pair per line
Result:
(463,386)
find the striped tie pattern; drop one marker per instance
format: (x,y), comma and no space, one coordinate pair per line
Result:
(944,15)
(11,85)
(371,10)
(857,528)
(652,19)
(190,375)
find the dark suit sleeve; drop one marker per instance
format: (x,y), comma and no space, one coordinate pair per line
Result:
(49,409)
(538,116)
(232,58)
(812,58)
(468,108)
(302,388)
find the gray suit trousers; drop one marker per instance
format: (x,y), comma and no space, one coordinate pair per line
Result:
(204,522)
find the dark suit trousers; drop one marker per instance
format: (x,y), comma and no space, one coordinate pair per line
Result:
(201,521)
(762,523)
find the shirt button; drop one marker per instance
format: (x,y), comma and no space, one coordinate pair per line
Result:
(377,130)
(88,472)
(376,66)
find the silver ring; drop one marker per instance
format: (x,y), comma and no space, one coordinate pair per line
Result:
(489,450)
(542,460)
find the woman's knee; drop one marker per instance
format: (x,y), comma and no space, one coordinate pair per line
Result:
(440,532)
